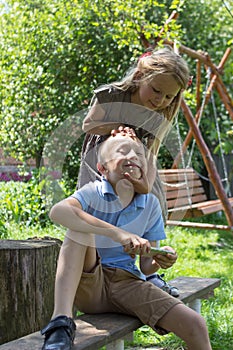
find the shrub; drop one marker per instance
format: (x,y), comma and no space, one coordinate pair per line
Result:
(29,202)
(3,230)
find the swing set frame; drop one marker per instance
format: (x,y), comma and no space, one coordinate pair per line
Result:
(194,130)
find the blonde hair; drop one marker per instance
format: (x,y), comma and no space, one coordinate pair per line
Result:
(162,61)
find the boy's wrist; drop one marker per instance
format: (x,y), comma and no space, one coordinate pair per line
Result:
(117,235)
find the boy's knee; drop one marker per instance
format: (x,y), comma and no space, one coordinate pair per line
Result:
(201,323)
(184,321)
(82,239)
(197,325)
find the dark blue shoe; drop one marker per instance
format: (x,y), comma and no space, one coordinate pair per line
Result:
(59,334)
(158,281)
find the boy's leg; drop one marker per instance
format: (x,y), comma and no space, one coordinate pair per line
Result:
(159,310)
(188,325)
(73,258)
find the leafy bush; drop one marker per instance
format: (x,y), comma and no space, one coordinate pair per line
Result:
(3,230)
(28,202)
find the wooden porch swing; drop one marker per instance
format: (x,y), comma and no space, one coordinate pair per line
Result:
(185,193)
(186,198)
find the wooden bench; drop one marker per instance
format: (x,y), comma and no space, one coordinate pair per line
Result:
(95,331)
(186,196)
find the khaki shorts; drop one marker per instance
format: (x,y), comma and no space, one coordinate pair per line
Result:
(116,290)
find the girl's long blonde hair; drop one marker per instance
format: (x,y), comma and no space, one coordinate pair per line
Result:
(162,61)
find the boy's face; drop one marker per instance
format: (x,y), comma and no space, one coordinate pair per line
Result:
(120,155)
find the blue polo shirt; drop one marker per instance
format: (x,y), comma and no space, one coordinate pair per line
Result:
(142,217)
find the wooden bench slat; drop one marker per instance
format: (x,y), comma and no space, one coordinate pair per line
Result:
(205,208)
(213,208)
(194,287)
(93,332)
(184,192)
(199,225)
(190,187)
(115,326)
(181,202)
(170,181)
(177,174)
(214,202)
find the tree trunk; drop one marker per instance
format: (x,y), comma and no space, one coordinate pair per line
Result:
(27,274)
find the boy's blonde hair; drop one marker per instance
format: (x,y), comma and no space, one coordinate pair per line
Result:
(162,61)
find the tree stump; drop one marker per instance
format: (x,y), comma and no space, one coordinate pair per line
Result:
(27,275)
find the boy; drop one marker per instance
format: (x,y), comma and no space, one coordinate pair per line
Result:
(108,224)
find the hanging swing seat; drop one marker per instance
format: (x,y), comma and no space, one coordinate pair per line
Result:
(186,196)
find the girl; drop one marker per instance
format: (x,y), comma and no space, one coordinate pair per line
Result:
(146,99)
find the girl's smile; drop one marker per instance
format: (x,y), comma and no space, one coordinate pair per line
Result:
(158,94)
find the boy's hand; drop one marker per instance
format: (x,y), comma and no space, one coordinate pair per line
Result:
(134,244)
(166,261)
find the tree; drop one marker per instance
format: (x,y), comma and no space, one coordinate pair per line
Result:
(54,54)
(207,26)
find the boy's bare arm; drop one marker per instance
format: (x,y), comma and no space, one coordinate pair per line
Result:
(69,213)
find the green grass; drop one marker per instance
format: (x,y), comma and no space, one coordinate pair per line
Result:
(20,232)
(202,253)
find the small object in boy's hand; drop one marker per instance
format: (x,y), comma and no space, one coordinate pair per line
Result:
(158,251)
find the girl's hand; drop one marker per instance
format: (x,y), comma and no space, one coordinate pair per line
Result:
(140,185)
(166,261)
(124,130)
(144,184)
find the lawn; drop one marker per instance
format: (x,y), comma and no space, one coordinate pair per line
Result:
(202,253)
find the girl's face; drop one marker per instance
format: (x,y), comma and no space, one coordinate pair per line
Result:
(158,93)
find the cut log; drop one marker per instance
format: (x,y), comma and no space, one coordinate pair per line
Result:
(27,274)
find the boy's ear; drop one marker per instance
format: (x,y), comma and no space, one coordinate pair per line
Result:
(101,168)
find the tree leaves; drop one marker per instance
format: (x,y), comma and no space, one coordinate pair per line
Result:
(54,53)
